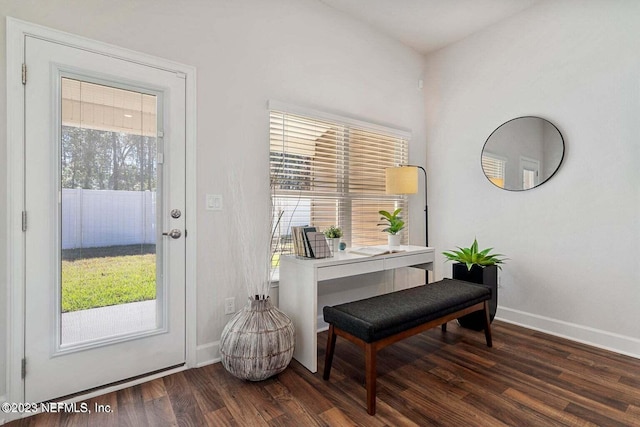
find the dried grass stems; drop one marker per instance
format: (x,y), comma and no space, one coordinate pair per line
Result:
(258,226)
(250,227)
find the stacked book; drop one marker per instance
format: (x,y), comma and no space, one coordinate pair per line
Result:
(309,243)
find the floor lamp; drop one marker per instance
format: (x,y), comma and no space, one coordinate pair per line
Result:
(404,180)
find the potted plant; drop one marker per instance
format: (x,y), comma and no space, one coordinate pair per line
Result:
(394,224)
(333,235)
(481,267)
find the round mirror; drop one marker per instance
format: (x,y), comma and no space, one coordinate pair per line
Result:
(522,153)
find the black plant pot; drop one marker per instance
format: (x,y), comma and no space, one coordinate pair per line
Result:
(483,276)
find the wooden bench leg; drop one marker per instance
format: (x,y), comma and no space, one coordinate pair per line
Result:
(487,325)
(370,368)
(328,358)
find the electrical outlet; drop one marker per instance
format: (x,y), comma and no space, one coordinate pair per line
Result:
(230,305)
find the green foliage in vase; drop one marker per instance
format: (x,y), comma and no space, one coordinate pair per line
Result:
(472,256)
(392,221)
(333,232)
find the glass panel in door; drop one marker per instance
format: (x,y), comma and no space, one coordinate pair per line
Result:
(109,193)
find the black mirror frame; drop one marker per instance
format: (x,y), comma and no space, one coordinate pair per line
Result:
(509,121)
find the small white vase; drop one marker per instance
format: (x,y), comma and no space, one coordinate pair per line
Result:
(334,244)
(393,240)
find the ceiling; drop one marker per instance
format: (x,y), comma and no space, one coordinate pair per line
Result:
(428,25)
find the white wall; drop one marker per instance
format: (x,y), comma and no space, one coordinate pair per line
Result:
(246,52)
(573,242)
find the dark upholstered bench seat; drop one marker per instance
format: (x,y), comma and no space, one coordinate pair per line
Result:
(378,317)
(376,322)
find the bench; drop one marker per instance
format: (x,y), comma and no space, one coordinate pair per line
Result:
(377,322)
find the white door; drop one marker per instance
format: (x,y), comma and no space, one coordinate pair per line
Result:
(530,172)
(104,178)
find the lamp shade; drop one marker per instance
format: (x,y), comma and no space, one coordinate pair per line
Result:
(401,180)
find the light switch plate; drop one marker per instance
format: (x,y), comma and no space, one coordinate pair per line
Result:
(214,202)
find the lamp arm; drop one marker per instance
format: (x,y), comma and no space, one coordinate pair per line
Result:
(426,213)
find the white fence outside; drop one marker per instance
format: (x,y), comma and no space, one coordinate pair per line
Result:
(98,218)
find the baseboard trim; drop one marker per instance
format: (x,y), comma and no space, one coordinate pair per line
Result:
(321,325)
(207,354)
(3,399)
(617,343)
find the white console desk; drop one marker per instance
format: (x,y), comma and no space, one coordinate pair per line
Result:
(300,278)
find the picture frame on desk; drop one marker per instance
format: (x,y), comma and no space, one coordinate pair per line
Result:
(318,245)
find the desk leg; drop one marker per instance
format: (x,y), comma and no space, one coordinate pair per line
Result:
(299,300)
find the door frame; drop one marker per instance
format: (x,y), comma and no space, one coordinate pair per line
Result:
(529,160)
(15,301)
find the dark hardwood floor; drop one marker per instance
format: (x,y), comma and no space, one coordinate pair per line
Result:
(450,379)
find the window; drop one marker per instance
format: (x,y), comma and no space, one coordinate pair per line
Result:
(494,168)
(327,171)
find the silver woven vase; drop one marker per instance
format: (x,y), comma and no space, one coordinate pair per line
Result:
(258,341)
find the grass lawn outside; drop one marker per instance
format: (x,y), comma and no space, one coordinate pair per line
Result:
(107,280)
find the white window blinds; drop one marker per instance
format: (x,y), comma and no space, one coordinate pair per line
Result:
(494,168)
(326,172)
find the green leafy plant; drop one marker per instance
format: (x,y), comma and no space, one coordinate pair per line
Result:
(333,232)
(393,221)
(472,256)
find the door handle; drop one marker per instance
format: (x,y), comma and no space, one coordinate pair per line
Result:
(174,234)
